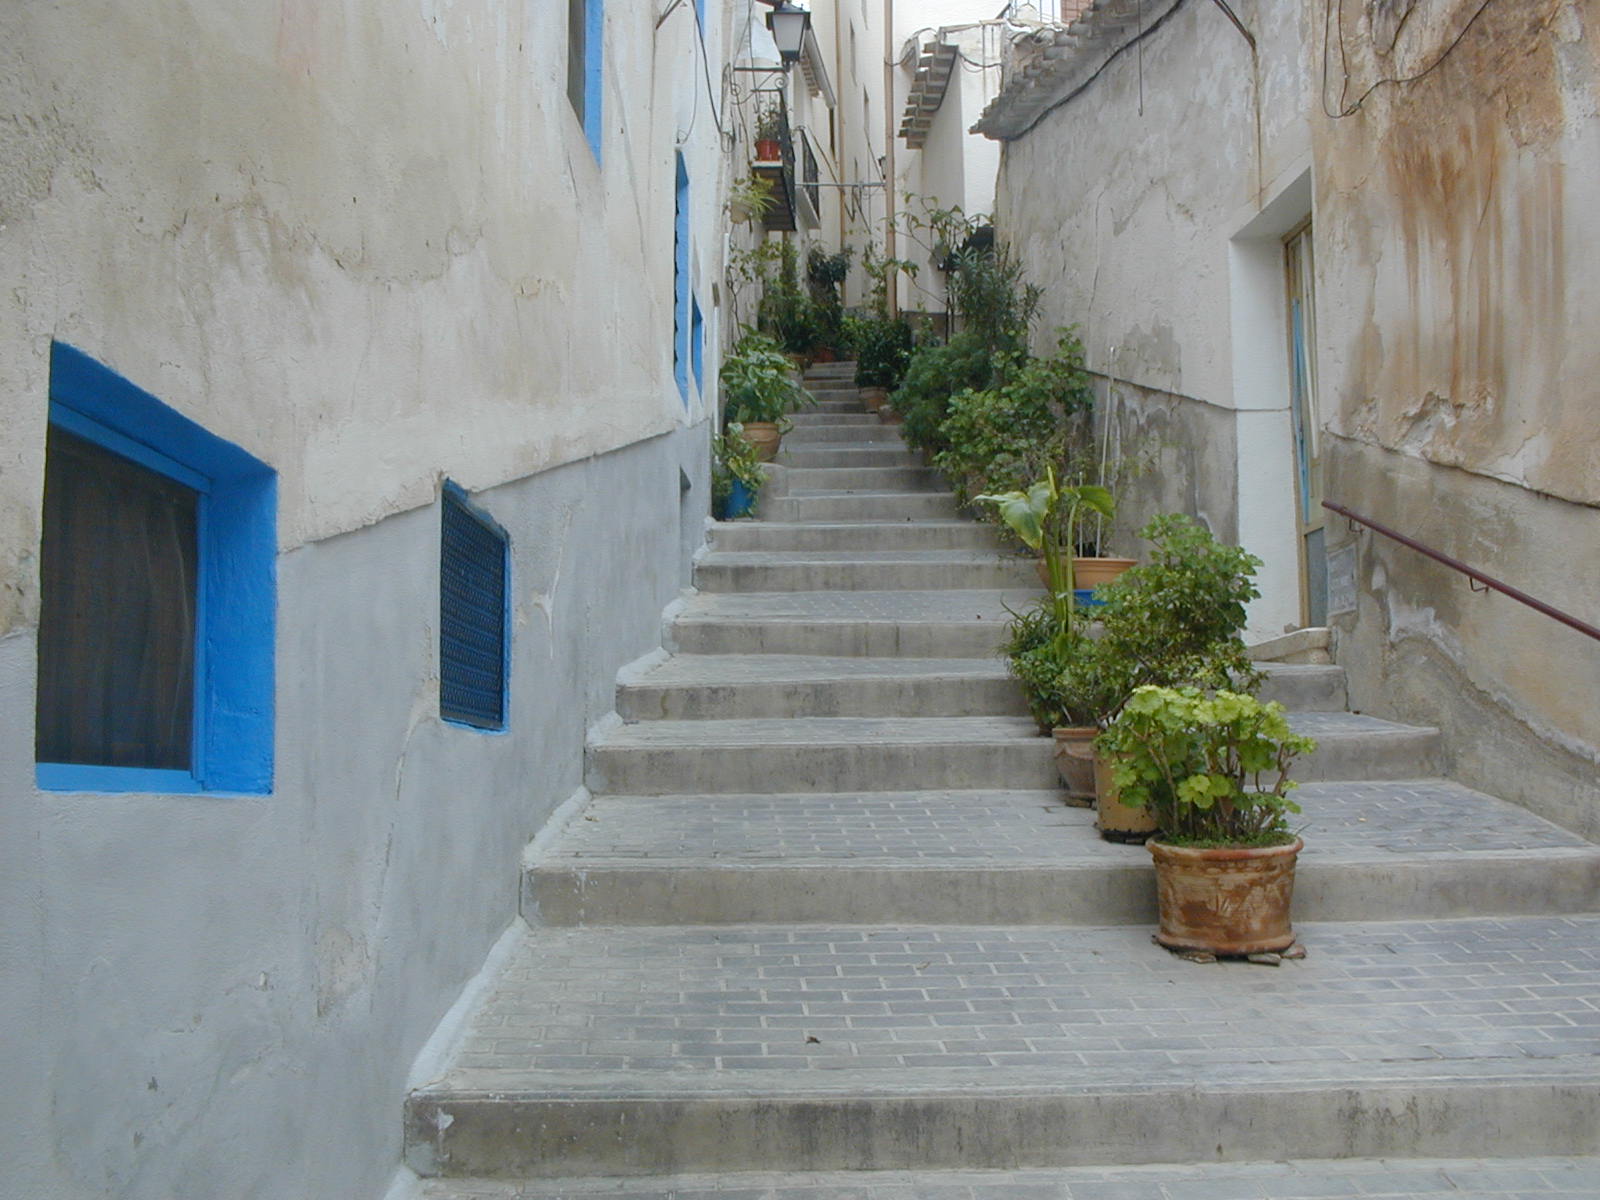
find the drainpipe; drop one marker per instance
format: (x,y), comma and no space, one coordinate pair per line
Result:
(889,110)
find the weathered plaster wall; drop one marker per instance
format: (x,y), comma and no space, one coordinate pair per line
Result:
(369,243)
(221,996)
(1123,202)
(1455,218)
(316,228)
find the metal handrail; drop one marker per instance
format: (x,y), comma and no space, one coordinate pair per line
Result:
(1488,582)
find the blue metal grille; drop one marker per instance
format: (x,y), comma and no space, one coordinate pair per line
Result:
(472,616)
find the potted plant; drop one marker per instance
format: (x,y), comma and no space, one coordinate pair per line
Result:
(759,392)
(736,477)
(1072,687)
(769,134)
(750,198)
(1214,770)
(1036,514)
(883,349)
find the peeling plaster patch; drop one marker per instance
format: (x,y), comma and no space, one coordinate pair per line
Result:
(1408,622)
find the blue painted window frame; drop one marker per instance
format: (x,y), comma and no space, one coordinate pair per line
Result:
(454,493)
(680,280)
(236,601)
(697,344)
(593,74)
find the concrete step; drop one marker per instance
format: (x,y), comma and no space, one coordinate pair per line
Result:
(1303,688)
(1545,1178)
(628,1051)
(935,624)
(813,480)
(819,754)
(855,535)
(860,570)
(1354,746)
(866,435)
(828,404)
(873,754)
(833,370)
(730,686)
(863,505)
(1413,850)
(839,417)
(853,457)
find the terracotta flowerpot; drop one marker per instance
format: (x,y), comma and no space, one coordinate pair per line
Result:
(1074,755)
(888,416)
(873,397)
(764,436)
(1092,572)
(1116,821)
(1229,901)
(769,150)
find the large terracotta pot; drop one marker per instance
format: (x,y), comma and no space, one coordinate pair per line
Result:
(873,397)
(769,150)
(764,436)
(1074,754)
(1231,901)
(1116,821)
(1092,572)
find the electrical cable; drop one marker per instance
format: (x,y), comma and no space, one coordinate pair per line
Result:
(1336,16)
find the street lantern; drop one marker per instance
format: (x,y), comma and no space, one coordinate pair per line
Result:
(789,26)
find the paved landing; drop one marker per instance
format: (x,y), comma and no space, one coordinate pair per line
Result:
(601,1010)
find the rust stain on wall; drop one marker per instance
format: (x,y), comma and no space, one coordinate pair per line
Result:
(1453,190)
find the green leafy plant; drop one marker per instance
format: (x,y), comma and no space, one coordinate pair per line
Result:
(935,374)
(1067,679)
(1214,768)
(825,276)
(752,196)
(786,311)
(1177,617)
(758,382)
(988,291)
(1000,438)
(883,352)
(733,458)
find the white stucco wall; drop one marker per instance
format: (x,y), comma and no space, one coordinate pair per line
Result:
(1130,203)
(369,244)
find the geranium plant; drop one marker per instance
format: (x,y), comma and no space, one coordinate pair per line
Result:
(1214,767)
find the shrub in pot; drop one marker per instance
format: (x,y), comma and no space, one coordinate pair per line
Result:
(759,392)
(1072,687)
(736,477)
(883,351)
(1213,769)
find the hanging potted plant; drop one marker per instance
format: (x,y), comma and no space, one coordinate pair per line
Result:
(1213,769)
(759,391)
(750,198)
(769,135)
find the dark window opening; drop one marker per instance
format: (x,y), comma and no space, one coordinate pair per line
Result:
(473,596)
(119,564)
(578,57)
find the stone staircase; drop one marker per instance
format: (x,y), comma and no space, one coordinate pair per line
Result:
(825,915)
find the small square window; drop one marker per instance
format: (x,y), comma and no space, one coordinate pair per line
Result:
(474,613)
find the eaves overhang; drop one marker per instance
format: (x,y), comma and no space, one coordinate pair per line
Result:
(816,75)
